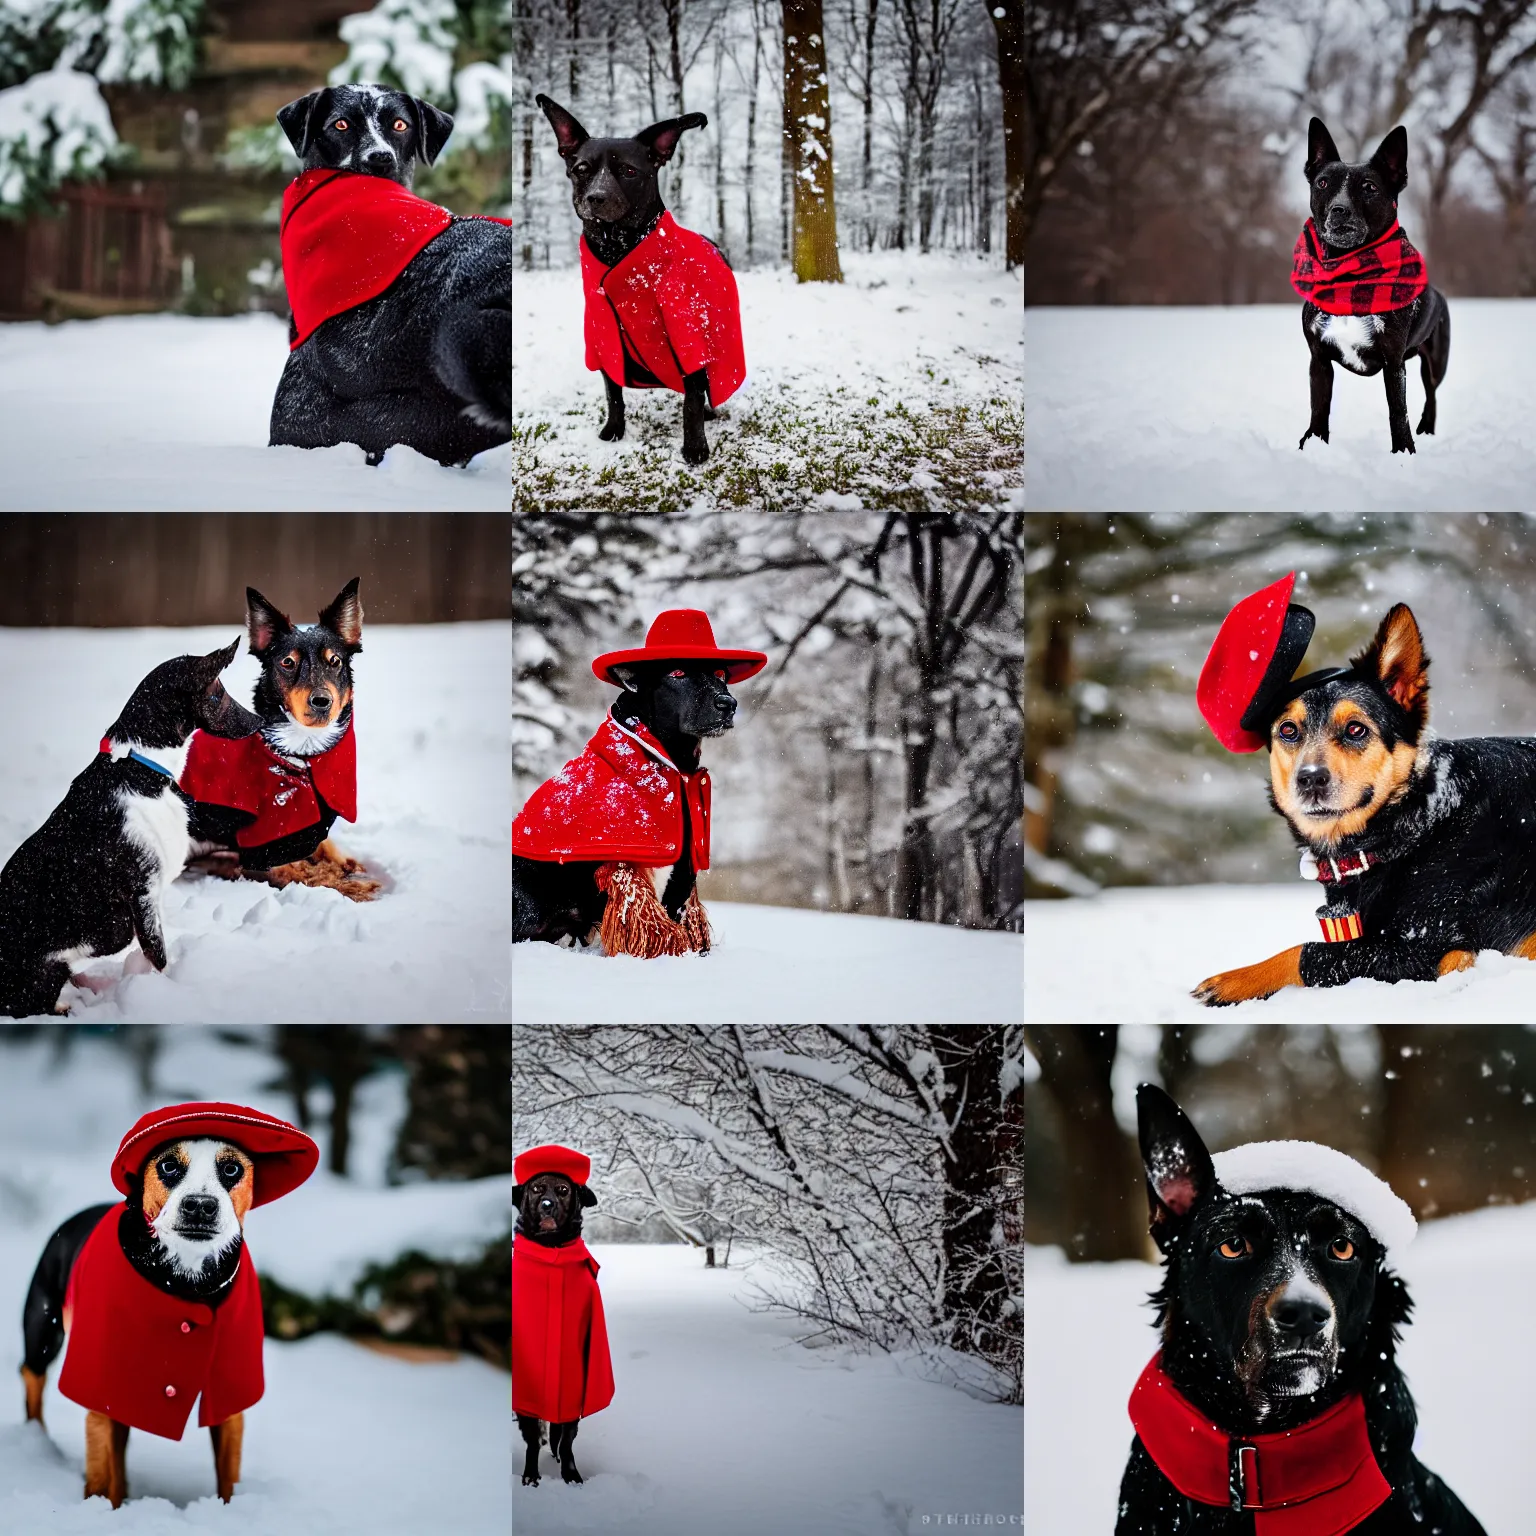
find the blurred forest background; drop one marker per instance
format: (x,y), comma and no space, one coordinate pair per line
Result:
(1445,1114)
(1164,140)
(875,764)
(1124,783)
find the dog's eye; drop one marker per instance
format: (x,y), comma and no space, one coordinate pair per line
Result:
(1288,730)
(1236,1248)
(1368,187)
(399,125)
(1322,181)
(231,1171)
(169,1170)
(1341,1248)
(721,676)
(678,673)
(628,170)
(288,663)
(1356,731)
(341,125)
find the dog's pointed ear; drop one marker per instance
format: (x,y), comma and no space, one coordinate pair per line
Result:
(345,616)
(568,132)
(263,623)
(433,126)
(1321,150)
(629,677)
(1396,659)
(585,1196)
(224,657)
(517,1193)
(1178,1168)
(661,138)
(301,119)
(1391,158)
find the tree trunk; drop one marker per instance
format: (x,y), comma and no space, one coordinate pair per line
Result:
(751,167)
(573,36)
(1008,22)
(871,15)
(808,144)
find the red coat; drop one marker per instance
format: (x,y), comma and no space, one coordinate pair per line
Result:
(621,799)
(346,237)
(278,792)
(141,1356)
(560,1365)
(673,299)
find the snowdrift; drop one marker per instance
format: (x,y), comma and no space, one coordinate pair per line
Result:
(434,817)
(168,413)
(721,1422)
(1088,1333)
(782,965)
(1106,432)
(1132,956)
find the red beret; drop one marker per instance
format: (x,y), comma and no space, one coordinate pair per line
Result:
(576,1166)
(283,1154)
(1259,645)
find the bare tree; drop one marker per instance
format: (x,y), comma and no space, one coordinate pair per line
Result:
(808,144)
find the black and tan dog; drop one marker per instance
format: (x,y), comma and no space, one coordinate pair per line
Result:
(1426,847)
(1275,1400)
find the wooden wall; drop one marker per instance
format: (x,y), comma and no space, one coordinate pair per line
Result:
(152,568)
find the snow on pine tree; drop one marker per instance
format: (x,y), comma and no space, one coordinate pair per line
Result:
(878,1165)
(54,55)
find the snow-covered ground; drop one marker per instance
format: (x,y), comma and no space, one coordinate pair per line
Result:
(721,1422)
(169,413)
(434,819)
(1133,956)
(1202,408)
(345,1440)
(1466,1355)
(907,375)
(782,965)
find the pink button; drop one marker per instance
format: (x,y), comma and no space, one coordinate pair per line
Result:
(186,1327)
(170,1391)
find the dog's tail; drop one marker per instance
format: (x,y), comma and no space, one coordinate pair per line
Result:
(42,1314)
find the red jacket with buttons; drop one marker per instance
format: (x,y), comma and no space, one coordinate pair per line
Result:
(671,304)
(622,799)
(561,1370)
(141,1356)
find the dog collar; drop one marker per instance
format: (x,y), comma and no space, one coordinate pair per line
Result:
(1339,919)
(1318,1479)
(138,757)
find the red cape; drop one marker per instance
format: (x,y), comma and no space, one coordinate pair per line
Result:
(673,299)
(622,799)
(346,237)
(141,1356)
(1319,1479)
(279,792)
(1387,274)
(560,1366)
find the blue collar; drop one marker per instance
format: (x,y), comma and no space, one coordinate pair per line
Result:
(138,757)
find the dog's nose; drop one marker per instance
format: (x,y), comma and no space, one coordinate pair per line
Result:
(200,1210)
(378,162)
(319,701)
(1299,1316)
(1311,778)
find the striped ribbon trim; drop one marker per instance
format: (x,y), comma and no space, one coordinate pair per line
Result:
(1340,930)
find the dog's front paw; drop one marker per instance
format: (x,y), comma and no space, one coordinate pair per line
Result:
(530,1479)
(612,431)
(1320,433)
(570,1474)
(695,450)
(1251,981)
(1406,446)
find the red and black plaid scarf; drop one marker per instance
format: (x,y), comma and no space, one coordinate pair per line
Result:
(1372,279)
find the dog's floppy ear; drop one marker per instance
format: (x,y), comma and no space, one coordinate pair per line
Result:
(1396,659)
(1321,150)
(661,138)
(628,676)
(433,126)
(1178,1168)
(300,119)
(263,622)
(517,1193)
(345,616)
(1391,158)
(585,1195)
(570,134)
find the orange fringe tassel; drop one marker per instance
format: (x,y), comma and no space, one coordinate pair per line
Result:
(636,923)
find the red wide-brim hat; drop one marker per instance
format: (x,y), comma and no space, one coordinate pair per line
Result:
(283,1154)
(1248,673)
(576,1166)
(682,634)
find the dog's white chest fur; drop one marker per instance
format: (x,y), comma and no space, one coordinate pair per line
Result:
(1350,335)
(157,826)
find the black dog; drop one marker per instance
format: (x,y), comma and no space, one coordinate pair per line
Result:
(90,879)
(427,362)
(1275,1308)
(1442,825)
(1353,205)
(549,1208)
(615,192)
(680,703)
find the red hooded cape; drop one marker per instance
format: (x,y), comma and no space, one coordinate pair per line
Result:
(669,305)
(279,792)
(141,1356)
(622,799)
(346,237)
(560,1366)
(1319,1479)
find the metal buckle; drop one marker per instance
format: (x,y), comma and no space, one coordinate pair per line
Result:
(1239,1474)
